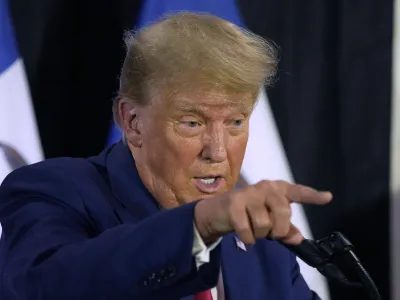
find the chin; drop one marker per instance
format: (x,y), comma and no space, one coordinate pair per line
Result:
(196,195)
(193,193)
(205,196)
(216,193)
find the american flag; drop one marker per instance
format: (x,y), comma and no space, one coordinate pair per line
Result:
(19,137)
(240,244)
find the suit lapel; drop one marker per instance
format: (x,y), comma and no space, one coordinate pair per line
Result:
(132,201)
(239,270)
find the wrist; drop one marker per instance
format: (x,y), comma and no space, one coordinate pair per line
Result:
(203,225)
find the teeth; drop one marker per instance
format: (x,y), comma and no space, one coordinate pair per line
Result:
(208,180)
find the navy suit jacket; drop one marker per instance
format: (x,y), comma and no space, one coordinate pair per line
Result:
(79,229)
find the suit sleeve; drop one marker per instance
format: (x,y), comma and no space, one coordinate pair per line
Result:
(49,249)
(301,291)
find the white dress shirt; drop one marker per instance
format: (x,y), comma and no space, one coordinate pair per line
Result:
(202,256)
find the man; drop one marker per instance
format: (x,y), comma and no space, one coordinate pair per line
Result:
(156,215)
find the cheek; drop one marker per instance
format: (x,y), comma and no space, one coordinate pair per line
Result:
(184,150)
(236,151)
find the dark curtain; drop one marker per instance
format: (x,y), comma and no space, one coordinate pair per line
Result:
(331,102)
(332,106)
(73,51)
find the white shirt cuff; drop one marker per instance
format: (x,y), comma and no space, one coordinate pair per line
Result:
(200,251)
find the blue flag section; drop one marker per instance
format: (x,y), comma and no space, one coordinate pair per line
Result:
(8,49)
(153,10)
(114,135)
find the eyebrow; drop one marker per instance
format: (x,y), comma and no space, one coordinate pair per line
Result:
(195,108)
(192,108)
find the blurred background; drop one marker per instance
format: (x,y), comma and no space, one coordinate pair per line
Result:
(334,105)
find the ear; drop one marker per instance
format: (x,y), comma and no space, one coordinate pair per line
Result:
(130,122)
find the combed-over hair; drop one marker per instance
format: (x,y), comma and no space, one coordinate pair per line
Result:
(193,50)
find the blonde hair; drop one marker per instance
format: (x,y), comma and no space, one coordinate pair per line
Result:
(193,50)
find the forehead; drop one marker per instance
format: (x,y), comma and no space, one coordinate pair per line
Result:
(211,100)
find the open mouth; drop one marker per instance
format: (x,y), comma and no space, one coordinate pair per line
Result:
(208,180)
(209,184)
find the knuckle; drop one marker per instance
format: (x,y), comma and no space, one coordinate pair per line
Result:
(285,212)
(262,229)
(282,182)
(274,186)
(251,196)
(280,232)
(265,188)
(241,228)
(266,225)
(262,223)
(282,185)
(264,184)
(237,215)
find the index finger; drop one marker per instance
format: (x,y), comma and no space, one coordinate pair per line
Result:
(306,195)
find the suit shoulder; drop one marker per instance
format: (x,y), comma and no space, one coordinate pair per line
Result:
(51,170)
(56,179)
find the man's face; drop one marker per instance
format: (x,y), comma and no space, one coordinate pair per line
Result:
(193,145)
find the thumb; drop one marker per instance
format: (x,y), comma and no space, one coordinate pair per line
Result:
(294,237)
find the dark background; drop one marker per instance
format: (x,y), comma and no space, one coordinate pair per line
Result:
(332,100)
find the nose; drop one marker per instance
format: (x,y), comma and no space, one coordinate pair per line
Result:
(214,149)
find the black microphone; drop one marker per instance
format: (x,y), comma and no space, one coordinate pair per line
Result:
(334,258)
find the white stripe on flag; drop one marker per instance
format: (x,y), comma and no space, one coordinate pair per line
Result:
(395,159)
(19,139)
(18,127)
(266,159)
(17,122)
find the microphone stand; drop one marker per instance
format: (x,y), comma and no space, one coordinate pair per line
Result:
(334,258)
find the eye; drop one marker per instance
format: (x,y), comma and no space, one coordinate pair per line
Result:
(192,124)
(237,122)
(189,123)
